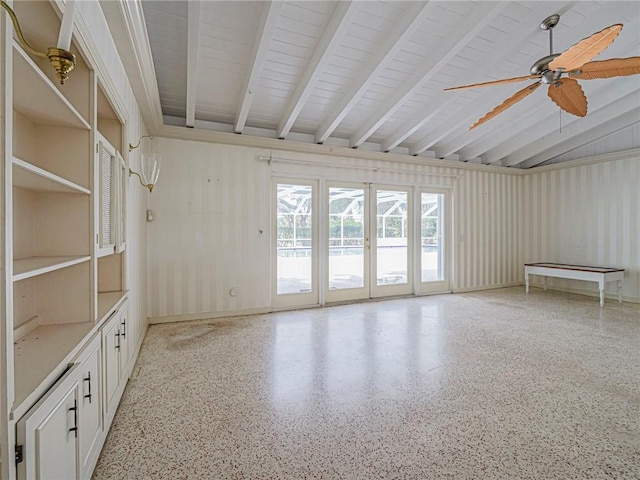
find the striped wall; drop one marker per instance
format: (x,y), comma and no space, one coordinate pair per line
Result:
(489,225)
(586,214)
(212,199)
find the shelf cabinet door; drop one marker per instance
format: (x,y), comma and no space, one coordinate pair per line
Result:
(112,344)
(90,407)
(49,433)
(107,166)
(125,340)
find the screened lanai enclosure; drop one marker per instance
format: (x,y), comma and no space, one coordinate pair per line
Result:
(350,216)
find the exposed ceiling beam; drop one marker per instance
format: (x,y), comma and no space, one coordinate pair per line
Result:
(415,124)
(340,21)
(268,23)
(472,25)
(537,130)
(401,33)
(601,130)
(193,45)
(597,118)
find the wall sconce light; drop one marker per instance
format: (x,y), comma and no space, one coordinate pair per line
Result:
(149,165)
(59,57)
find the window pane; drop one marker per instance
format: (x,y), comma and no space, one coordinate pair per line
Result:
(392,239)
(432,241)
(294,238)
(346,238)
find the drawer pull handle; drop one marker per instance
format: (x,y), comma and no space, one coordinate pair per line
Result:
(88,379)
(74,429)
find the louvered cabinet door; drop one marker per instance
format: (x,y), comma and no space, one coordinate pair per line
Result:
(107,168)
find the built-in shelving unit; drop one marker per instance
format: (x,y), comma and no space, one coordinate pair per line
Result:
(51,210)
(70,341)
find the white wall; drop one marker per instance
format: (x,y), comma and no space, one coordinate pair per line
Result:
(212,198)
(588,215)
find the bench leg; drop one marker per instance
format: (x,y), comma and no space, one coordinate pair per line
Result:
(601,284)
(526,283)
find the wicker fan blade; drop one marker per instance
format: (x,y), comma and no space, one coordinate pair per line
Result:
(495,82)
(586,49)
(568,95)
(615,67)
(512,100)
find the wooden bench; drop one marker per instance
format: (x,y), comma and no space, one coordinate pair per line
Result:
(601,275)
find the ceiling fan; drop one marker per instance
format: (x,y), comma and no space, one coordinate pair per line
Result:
(575,62)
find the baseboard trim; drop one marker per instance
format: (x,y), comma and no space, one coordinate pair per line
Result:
(486,287)
(263,310)
(207,315)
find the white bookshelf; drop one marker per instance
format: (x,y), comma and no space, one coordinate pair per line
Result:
(64,300)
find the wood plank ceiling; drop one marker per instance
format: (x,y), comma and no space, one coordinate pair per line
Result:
(371,74)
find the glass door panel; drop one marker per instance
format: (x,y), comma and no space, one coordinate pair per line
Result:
(296,252)
(392,243)
(348,243)
(431,237)
(433,241)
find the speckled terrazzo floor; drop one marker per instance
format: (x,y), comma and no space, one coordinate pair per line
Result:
(495,384)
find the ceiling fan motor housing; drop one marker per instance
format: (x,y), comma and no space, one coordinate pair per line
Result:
(542,66)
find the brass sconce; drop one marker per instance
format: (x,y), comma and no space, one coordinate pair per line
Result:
(150,167)
(59,57)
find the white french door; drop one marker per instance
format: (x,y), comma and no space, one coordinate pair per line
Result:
(369,241)
(348,242)
(296,242)
(375,241)
(433,248)
(392,241)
